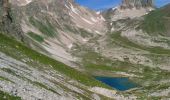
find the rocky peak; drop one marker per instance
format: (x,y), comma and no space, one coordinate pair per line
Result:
(136,4)
(130,9)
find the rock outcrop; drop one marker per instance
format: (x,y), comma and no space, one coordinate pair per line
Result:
(5,11)
(130,9)
(136,4)
(8,23)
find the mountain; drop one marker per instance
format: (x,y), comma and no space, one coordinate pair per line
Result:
(54,49)
(157,22)
(27,75)
(130,9)
(129,4)
(51,27)
(52,24)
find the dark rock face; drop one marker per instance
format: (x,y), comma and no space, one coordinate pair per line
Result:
(129,4)
(5,15)
(5,7)
(8,24)
(5,10)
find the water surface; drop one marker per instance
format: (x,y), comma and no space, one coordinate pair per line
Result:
(119,83)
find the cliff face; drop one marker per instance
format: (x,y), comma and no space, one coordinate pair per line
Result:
(5,10)
(5,7)
(8,23)
(130,9)
(136,3)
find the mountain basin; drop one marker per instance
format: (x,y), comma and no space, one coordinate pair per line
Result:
(119,83)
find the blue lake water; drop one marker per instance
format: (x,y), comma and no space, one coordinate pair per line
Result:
(119,83)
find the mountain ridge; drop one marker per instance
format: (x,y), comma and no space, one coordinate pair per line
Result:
(136,4)
(129,9)
(59,47)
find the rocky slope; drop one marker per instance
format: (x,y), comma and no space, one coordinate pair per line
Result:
(7,22)
(28,75)
(129,9)
(129,4)
(126,42)
(59,23)
(157,22)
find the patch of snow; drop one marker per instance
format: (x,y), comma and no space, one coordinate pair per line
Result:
(67,6)
(98,32)
(114,8)
(89,22)
(72,15)
(23,2)
(70,46)
(85,40)
(111,23)
(28,1)
(74,9)
(93,19)
(98,12)
(113,29)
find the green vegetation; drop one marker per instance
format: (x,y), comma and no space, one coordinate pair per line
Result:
(18,51)
(163,86)
(149,78)
(150,81)
(116,66)
(6,96)
(157,21)
(36,37)
(125,42)
(153,74)
(162,40)
(45,87)
(71,29)
(9,71)
(5,79)
(84,33)
(146,97)
(80,31)
(46,28)
(94,61)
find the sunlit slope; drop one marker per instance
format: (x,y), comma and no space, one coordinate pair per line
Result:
(22,67)
(157,22)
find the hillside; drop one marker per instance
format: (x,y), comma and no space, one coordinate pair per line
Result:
(55,49)
(129,9)
(157,22)
(28,74)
